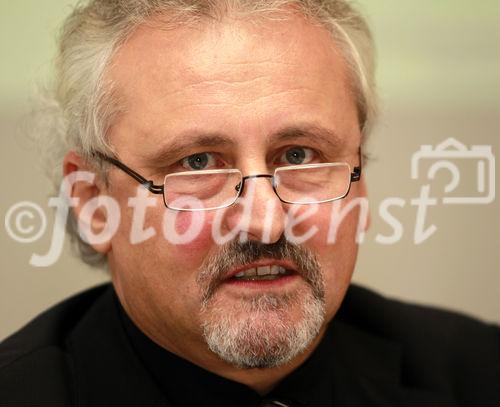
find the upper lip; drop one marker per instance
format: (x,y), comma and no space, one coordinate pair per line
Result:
(260,263)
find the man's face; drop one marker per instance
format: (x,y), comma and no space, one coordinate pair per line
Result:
(262,89)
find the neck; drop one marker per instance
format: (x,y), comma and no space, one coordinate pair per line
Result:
(261,380)
(192,347)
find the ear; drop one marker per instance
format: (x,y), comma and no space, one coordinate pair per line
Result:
(84,192)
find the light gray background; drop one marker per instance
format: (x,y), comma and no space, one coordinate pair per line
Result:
(438,78)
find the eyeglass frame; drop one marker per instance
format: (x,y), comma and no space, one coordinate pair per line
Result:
(355,176)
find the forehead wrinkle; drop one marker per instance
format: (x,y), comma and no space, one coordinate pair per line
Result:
(219,88)
(241,103)
(204,82)
(232,75)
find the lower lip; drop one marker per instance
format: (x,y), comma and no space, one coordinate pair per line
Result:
(262,283)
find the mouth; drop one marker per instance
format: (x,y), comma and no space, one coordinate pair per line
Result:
(262,273)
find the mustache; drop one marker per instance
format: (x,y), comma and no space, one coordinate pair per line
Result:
(235,254)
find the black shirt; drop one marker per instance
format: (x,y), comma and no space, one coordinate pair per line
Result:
(187,385)
(376,352)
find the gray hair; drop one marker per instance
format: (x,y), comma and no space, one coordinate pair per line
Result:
(82,105)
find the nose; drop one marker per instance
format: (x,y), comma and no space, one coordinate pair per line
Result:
(259,214)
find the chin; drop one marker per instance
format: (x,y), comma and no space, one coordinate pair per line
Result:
(263,331)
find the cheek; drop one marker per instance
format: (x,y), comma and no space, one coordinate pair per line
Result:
(311,225)
(180,238)
(337,258)
(185,222)
(332,232)
(163,264)
(196,229)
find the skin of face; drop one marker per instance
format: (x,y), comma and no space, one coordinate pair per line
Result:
(246,80)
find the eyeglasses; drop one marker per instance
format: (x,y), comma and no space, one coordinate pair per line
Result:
(216,189)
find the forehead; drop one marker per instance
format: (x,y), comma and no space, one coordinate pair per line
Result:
(240,76)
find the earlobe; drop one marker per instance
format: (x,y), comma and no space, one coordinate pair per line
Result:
(92,221)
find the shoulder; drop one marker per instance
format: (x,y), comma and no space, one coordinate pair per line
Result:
(34,362)
(409,322)
(433,342)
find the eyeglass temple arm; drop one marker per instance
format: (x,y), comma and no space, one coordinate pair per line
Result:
(356,171)
(151,187)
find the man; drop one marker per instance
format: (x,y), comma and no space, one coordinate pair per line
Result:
(244,122)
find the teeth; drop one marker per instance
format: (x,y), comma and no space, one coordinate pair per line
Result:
(275,269)
(250,272)
(261,271)
(246,273)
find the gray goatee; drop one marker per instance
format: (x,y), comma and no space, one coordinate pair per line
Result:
(261,330)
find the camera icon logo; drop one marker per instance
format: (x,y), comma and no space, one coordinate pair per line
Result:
(475,164)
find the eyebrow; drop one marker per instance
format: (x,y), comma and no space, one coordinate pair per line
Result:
(318,134)
(185,144)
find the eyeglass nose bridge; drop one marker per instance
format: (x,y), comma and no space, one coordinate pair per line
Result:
(241,186)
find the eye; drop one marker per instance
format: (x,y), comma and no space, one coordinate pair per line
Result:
(297,156)
(199,161)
